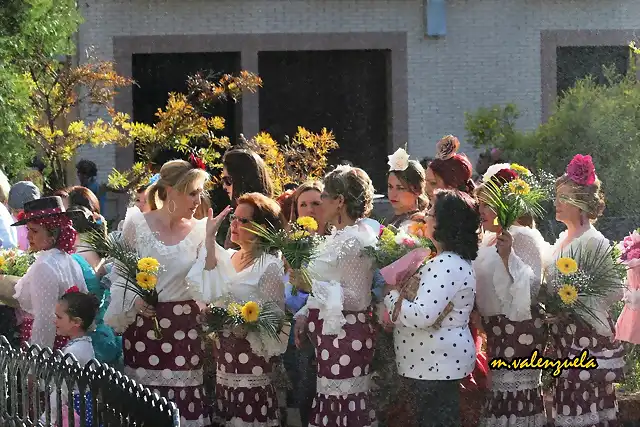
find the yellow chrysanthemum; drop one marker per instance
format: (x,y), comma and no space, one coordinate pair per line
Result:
(148,265)
(567,265)
(2,263)
(218,122)
(519,169)
(568,294)
(308,223)
(518,186)
(250,312)
(234,309)
(297,235)
(146,281)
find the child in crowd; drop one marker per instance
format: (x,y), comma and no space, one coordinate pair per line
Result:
(75,313)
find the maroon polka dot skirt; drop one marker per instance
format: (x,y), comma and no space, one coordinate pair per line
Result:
(25,329)
(170,366)
(344,372)
(245,395)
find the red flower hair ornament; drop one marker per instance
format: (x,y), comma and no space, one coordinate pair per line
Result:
(72,290)
(197,162)
(581,170)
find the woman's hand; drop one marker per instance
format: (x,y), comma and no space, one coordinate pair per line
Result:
(300,330)
(144,309)
(213,225)
(503,245)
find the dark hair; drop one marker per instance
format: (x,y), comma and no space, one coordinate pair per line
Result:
(457,223)
(248,173)
(414,178)
(82,306)
(87,168)
(86,223)
(82,196)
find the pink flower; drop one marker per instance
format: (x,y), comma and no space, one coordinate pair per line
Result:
(381,230)
(633,253)
(581,170)
(410,243)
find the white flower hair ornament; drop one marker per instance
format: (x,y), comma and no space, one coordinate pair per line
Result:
(399,161)
(494,169)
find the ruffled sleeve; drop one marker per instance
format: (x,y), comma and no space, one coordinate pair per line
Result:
(523,278)
(208,285)
(121,311)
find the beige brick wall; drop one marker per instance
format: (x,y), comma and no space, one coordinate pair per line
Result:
(491,53)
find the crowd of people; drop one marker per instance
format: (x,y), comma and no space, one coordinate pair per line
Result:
(488,279)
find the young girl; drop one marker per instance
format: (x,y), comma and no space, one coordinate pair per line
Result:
(75,312)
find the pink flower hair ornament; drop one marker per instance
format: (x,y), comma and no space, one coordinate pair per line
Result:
(581,170)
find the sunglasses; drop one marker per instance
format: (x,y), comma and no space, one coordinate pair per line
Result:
(234,217)
(227,181)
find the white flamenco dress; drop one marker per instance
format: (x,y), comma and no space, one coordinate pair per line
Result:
(172,365)
(245,395)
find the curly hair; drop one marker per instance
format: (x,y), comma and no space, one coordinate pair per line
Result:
(355,186)
(457,223)
(588,198)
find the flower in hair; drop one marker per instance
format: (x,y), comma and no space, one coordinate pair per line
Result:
(197,162)
(72,290)
(494,169)
(399,161)
(154,179)
(581,170)
(447,147)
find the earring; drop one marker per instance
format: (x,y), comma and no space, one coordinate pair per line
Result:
(339,219)
(171,211)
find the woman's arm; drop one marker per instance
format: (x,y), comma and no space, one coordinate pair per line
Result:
(438,285)
(207,285)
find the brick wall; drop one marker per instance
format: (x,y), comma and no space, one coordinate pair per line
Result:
(491,53)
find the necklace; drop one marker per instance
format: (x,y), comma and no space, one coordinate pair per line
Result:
(75,340)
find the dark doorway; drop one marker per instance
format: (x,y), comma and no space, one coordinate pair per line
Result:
(158,74)
(344,91)
(577,62)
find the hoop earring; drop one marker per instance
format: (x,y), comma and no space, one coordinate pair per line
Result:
(171,211)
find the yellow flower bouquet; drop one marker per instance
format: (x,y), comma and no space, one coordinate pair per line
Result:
(266,318)
(298,245)
(140,274)
(513,191)
(581,274)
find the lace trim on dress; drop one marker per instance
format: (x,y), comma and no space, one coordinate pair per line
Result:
(537,420)
(238,422)
(165,377)
(328,298)
(513,381)
(588,419)
(344,387)
(266,346)
(242,380)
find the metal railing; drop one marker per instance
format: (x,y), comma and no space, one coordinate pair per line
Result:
(34,380)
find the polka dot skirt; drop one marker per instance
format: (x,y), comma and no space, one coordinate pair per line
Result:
(244,393)
(346,356)
(507,339)
(587,397)
(171,366)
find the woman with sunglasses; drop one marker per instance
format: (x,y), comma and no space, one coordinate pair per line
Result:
(244,362)
(243,172)
(336,316)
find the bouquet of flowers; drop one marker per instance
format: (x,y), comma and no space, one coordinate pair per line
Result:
(15,262)
(629,249)
(140,274)
(394,243)
(265,319)
(583,274)
(512,191)
(298,245)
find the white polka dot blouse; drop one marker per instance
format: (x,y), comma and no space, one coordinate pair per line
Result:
(446,352)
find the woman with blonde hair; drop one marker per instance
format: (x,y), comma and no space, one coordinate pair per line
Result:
(336,315)
(172,364)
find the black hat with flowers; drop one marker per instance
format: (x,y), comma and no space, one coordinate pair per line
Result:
(45,207)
